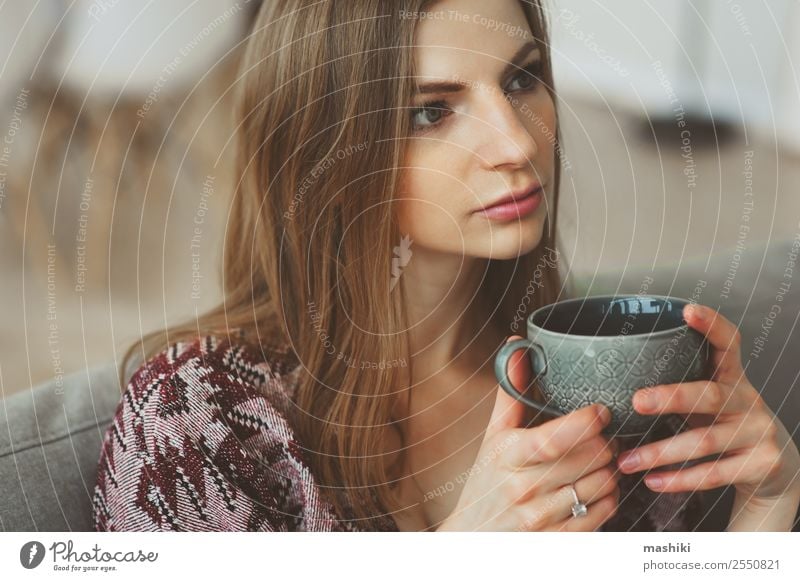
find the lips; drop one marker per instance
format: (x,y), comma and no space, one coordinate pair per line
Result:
(514,196)
(514,206)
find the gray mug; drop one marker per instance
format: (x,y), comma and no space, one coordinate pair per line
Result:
(602,349)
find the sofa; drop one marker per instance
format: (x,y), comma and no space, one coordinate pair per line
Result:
(50,436)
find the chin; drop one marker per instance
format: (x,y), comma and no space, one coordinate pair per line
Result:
(510,247)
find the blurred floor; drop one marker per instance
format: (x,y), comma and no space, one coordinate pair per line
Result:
(630,200)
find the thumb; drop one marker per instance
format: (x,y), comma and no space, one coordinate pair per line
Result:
(509,412)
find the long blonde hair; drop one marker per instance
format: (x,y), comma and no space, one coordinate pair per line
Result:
(322,118)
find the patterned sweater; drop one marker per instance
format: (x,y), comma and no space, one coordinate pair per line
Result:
(200,442)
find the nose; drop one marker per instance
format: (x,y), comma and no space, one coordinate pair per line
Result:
(504,139)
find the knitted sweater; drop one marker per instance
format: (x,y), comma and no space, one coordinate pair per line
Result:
(201,442)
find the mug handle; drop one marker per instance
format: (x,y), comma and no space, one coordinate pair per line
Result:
(500,371)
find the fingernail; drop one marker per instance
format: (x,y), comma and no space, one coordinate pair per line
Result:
(629,461)
(654,481)
(604,413)
(697,312)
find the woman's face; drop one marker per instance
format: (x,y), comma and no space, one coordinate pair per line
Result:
(489,135)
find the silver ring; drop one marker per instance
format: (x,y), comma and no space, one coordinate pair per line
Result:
(578,508)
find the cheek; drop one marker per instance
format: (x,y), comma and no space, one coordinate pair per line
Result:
(431,209)
(433,202)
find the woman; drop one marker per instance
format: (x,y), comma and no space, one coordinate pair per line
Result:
(346,383)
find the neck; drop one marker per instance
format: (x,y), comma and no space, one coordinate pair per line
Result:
(450,324)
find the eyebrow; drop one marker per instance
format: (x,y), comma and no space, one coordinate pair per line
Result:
(457,86)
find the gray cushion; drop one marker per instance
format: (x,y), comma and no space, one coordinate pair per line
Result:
(50,442)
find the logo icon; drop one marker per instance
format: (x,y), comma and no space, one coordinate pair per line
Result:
(31,554)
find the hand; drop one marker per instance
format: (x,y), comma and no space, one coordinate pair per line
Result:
(521,477)
(727,417)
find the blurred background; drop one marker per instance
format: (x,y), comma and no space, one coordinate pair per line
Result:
(115,179)
(681,160)
(681,142)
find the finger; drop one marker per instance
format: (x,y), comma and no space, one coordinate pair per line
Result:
(508,412)
(520,371)
(595,485)
(724,337)
(554,508)
(590,489)
(552,440)
(690,445)
(597,515)
(733,469)
(584,459)
(691,397)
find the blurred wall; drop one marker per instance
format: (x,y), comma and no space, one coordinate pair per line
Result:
(733,60)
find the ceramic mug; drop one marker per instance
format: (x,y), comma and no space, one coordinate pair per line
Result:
(602,349)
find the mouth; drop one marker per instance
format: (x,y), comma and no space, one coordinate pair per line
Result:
(515,205)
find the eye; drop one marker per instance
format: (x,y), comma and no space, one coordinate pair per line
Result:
(530,77)
(430,114)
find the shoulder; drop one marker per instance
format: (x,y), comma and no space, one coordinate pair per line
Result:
(214,388)
(219,374)
(201,441)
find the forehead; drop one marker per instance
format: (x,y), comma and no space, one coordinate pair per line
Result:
(472,35)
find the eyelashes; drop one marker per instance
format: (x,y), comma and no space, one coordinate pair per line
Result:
(440,109)
(532,73)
